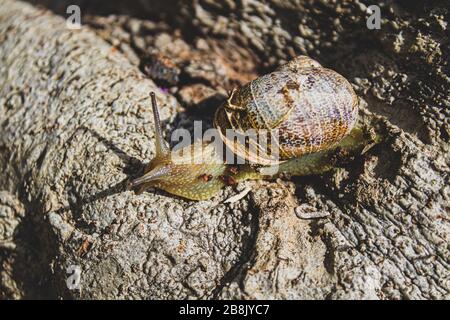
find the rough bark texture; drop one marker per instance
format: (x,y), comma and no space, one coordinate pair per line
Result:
(75,124)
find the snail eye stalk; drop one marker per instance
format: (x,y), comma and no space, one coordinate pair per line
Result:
(161,147)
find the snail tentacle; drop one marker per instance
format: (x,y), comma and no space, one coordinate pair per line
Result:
(161,147)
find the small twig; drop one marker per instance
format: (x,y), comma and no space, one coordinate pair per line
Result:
(238,196)
(305,211)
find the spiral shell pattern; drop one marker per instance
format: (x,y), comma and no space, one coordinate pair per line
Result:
(308,106)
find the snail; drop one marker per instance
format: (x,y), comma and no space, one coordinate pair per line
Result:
(313,111)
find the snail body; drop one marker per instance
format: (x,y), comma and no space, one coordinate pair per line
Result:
(309,108)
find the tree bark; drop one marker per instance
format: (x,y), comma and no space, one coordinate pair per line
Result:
(76,123)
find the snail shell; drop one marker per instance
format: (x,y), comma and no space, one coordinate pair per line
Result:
(310,108)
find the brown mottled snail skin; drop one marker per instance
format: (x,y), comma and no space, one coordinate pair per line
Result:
(313,108)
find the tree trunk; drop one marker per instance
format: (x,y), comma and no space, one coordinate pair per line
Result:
(76,123)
